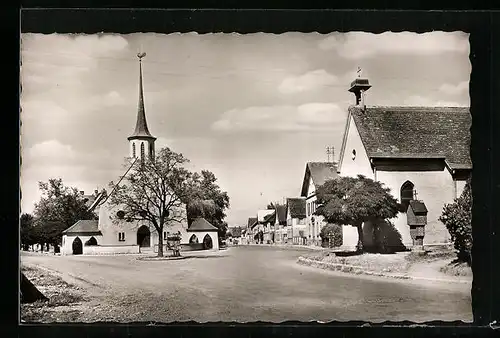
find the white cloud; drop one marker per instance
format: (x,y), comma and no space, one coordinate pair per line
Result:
(416,100)
(451,89)
(359,45)
(306,117)
(309,81)
(50,150)
(114,98)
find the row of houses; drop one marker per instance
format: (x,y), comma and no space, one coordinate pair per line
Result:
(420,153)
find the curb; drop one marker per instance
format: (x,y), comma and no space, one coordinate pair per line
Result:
(357,270)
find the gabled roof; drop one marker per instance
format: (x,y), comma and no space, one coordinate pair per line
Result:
(320,173)
(297,207)
(89,227)
(252,221)
(265,215)
(415,132)
(201,224)
(281,213)
(418,207)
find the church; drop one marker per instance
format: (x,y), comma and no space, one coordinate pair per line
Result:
(421,153)
(113,233)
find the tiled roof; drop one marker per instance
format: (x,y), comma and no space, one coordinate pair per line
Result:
(418,207)
(297,207)
(83,226)
(252,221)
(416,132)
(281,212)
(201,224)
(320,173)
(265,215)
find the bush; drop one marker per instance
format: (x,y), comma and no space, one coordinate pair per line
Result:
(457,219)
(331,235)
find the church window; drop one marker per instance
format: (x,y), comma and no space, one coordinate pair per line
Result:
(121,236)
(353,154)
(142,150)
(407,193)
(133,149)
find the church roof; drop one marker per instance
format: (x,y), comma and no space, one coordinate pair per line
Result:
(201,224)
(141,126)
(320,173)
(416,132)
(87,227)
(297,207)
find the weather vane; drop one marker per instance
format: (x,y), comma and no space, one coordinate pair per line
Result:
(141,55)
(359,71)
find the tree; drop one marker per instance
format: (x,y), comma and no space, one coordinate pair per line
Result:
(331,234)
(207,200)
(457,217)
(59,208)
(353,201)
(154,190)
(27,230)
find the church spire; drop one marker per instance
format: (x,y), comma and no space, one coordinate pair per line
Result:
(141,127)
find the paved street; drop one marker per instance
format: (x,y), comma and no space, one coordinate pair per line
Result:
(249,284)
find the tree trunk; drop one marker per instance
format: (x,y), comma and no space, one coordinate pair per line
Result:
(360,246)
(160,241)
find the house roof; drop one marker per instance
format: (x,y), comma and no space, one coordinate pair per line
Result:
(201,224)
(418,207)
(281,213)
(416,132)
(320,173)
(297,207)
(84,227)
(252,221)
(265,215)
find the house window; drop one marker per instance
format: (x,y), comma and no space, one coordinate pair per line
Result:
(121,237)
(133,149)
(407,193)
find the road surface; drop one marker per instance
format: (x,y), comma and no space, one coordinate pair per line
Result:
(248,284)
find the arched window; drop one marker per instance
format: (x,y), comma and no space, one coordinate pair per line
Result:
(133,149)
(193,239)
(142,150)
(151,152)
(407,192)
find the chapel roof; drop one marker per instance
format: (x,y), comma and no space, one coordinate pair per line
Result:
(320,173)
(201,224)
(87,226)
(416,132)
(297,207)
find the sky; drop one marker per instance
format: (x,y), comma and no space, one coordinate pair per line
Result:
(253,109)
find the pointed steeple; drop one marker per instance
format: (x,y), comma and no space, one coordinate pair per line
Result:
(141,127)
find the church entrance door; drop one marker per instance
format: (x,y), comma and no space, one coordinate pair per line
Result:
(143,237)
(77,246)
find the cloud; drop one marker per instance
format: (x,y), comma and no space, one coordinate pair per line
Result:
(306,117)
(49,152)
(416,100)
(114,98)
(451,89)
(306,82)
(360,45)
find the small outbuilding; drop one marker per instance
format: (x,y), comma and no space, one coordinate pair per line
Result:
(204,233)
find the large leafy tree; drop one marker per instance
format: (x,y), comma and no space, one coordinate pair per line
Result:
(59,208)
(207,200)
(457,218)
(355,200)
(154,190)
(27,230)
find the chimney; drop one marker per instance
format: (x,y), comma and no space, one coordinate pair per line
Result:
(359,86)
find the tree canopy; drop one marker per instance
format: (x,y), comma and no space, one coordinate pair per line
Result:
(59,208)
(154,190)
(355,200)
(457,218)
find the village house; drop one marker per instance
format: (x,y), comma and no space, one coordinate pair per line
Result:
(296,220)
(280,223)
(420,153)
(251,229)
(266,219)
(115,233)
